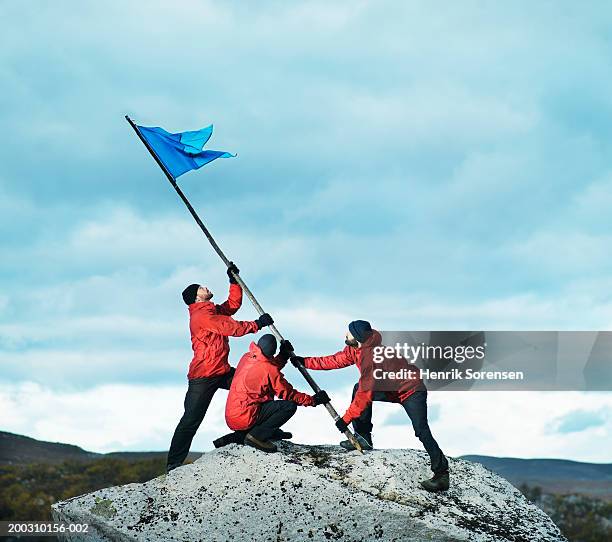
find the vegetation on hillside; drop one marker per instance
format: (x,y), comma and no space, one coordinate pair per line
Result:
(580,518)
(28,491)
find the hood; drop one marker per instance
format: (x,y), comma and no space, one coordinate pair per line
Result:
(375,339)
(256,352)
(258,355)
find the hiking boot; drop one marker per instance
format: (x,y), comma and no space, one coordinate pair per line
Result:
(439,482)
(236,437)
(365,441)
(263,445)
(173,466)
(282,435)
(220,442)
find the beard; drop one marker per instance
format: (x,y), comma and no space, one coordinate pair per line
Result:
(352,342)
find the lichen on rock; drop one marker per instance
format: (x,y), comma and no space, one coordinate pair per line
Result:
(103,508)
(311,493)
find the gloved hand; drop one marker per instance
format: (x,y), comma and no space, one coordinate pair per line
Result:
(297,361)
(320,398)
(341,425)
(264,320)
(232,268)
(285,350)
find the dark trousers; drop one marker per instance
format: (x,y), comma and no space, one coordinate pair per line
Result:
(200,392)
(272,415)
(416,408)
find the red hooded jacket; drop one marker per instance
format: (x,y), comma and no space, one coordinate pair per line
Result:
(210,327)
(355,356)
(258,379)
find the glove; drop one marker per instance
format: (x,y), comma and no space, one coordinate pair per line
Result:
(231,268)
(285,350)
(297,361)
(264,320)
(320,398)
(341,425)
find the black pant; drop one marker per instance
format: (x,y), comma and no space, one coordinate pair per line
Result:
(200,392)
(272,415)
(416,408)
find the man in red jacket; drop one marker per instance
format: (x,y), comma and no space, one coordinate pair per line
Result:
(410,393)
(210,327)
(251,410)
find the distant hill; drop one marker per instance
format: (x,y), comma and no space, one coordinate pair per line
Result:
(19,449)
(558,476)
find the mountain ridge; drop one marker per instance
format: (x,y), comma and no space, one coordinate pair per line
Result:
(558,476)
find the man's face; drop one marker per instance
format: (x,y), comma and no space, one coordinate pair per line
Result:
(204,294)
(350,340)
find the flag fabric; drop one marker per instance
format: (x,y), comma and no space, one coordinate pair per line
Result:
(183,151)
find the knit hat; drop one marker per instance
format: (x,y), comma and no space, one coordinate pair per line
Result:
(360,329)
(267,344)
(190,293)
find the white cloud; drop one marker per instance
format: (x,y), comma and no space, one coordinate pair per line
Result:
(138,417)
(515,424)
(102,419)
(415,178)
(564,253)
(133,325)
(84,367)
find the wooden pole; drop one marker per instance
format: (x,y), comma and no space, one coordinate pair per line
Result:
(332,411)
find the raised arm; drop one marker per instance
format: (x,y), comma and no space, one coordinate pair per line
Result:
(233,302)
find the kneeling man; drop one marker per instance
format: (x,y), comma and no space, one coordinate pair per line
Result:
(251,410)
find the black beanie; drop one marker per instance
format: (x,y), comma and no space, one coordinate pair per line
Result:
(360,329)
(267,343)
(190,293)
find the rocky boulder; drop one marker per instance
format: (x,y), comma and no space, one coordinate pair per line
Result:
(310,493)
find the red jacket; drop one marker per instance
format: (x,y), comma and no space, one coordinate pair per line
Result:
(355,356)
(258,379)
(210,327)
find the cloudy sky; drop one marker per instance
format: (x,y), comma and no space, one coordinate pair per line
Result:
(421,167)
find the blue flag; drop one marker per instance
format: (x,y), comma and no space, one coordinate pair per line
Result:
(183,151)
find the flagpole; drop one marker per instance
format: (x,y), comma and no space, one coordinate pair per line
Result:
(332,411)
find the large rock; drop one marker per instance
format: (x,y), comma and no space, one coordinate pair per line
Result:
(310,493)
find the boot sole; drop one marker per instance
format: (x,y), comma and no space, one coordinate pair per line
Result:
(365,445)
(433,490)
(253,444)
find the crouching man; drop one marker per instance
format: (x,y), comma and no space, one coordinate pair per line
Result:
(361,339)
(251,410)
